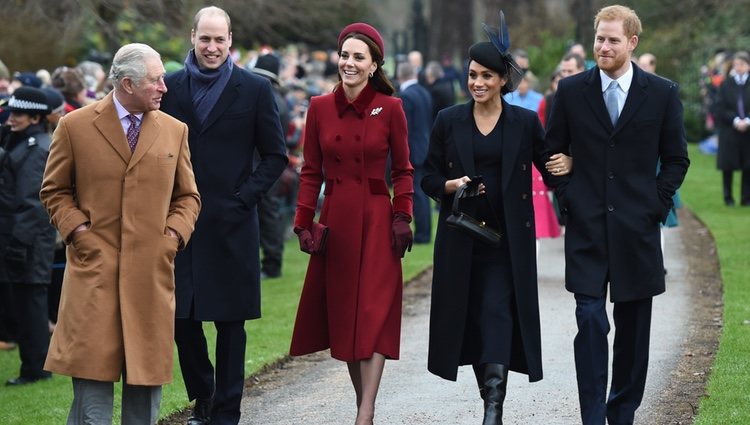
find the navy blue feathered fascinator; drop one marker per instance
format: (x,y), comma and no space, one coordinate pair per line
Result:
(500,39)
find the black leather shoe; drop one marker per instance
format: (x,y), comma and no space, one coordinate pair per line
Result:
(23,381)
(201,412)
(729,202)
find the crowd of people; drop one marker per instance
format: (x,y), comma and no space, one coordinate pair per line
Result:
(170,196)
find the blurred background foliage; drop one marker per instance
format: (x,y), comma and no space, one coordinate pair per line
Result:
(683,34)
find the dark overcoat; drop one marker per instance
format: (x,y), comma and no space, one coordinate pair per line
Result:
(450,157)
(218,274)
(734,146)
(613,199)
(417,103)
(22,215)
(351,300)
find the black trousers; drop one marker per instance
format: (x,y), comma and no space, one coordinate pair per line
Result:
(8,316)
(629,363)
(33,330)
(225,384)
(272,226)
(744,186)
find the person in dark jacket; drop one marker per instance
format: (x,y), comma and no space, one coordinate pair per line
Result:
(485,307)
(732,111)
(230,114)
(618,121)
(440,88)
(26,236)
(417,104)
(271,222)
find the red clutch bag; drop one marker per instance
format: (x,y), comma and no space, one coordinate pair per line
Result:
(319,234)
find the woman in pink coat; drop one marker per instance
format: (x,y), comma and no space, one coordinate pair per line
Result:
(351,301)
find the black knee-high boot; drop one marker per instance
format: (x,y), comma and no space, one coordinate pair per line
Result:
(493,388)
(479,374)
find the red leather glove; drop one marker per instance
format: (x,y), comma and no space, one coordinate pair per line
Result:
(401,234)
(305,239)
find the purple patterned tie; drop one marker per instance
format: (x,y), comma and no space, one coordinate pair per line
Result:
(133,132)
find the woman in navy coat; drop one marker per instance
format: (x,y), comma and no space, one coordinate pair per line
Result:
(485,309)
(351,301)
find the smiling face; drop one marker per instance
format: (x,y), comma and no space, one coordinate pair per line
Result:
(211,40)
(740,66)
(484,83)
(612,48)
(355,64)
(145,94)
(20,121)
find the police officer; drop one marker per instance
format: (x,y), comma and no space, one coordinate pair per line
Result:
(27,238)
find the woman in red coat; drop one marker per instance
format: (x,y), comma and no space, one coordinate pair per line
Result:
(351,300)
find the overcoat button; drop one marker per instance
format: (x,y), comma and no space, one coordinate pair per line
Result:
(338,179)
(523,167)
(359,180)
(338,137)
(528,224)
(358,138)
(524,196)
(610,208)
(450,164)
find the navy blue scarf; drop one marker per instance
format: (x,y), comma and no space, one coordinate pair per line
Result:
(206,85)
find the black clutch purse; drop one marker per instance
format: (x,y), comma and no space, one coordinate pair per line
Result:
(469,225)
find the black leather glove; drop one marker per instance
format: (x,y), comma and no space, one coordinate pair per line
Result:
(402,236)
(16,255)
(305,239)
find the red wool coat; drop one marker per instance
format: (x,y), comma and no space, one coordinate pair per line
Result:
(351,300)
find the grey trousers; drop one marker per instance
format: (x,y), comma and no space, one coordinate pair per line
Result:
(93,401)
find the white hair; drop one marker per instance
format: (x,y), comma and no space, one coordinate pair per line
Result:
(130,62)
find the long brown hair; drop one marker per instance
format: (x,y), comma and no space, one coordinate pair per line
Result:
(379,80)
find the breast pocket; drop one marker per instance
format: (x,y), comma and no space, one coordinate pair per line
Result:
(166,160)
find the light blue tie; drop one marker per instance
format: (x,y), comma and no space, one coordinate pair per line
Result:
(610,99)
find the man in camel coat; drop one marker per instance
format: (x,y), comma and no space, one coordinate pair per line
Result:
(120,189)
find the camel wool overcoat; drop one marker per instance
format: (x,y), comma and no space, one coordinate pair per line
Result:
(117,304)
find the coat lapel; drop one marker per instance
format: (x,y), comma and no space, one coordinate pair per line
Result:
(110,128)
(462,136)
(228,96)
(592,92)
(185,100)
(636,96)
(150,129)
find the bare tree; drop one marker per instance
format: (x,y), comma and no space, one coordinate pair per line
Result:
(451,28)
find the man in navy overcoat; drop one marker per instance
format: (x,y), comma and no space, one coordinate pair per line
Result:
(614,203)
(417,103)
(230,114)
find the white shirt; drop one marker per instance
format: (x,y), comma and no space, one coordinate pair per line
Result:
(623,82)
(123,113)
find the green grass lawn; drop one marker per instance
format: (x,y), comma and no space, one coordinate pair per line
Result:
(47,403)
(728,393)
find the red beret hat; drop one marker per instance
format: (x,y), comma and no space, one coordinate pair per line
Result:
(365,29)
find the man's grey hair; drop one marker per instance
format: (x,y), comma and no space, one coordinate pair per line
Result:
(406,71)
(130,62)
(434,69)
